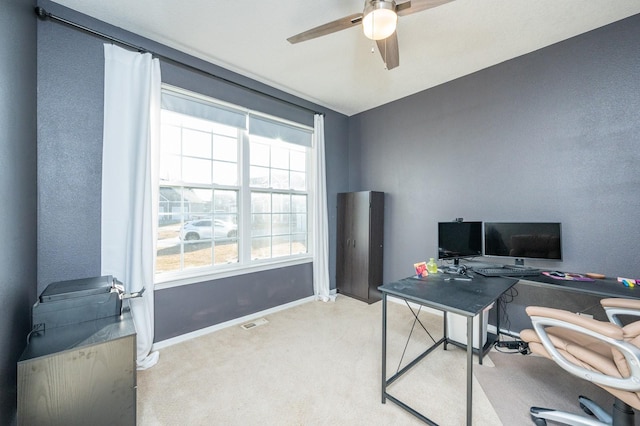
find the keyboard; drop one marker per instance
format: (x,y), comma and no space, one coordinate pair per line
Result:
(507,272)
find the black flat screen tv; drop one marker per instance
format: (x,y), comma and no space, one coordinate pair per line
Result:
(457,240)
(523,240)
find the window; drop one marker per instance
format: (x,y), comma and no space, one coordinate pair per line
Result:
(233,188)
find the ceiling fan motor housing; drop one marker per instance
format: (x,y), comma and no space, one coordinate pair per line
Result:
(379,19)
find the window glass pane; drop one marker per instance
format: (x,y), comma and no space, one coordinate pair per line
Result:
(170,139)
(299,223)
(170,203)
(299,203)
(261,248)
(168,245)
(225,148)
(279,157)
(260,225)
(224,231)
(281,203)
(299,243)
(197,203)
(197,254)
(196,170)
(196,230)
(298,161)
(224,253)
(281,246)
(196,143)
(279,179)
(226,202)
(260,202)
(225,173)
(259,177)
(298,181)
(280,224)
(260,155)
(170,169)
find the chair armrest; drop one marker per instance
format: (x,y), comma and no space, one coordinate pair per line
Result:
(588,326)
(600,327)
(619,306)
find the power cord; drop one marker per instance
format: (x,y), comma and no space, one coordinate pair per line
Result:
(511,346)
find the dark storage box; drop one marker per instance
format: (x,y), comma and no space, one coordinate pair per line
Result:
(71,302)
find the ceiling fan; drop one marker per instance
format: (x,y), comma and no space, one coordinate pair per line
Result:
(378,22)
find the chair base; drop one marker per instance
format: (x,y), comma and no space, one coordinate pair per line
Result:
(622,415)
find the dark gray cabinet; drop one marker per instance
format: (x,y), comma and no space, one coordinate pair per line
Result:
(360,244)
(81,374)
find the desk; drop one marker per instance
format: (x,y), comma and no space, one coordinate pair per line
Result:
(608,287)
(573,296)
(466,298)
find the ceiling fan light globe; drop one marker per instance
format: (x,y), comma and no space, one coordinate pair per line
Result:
(379,20)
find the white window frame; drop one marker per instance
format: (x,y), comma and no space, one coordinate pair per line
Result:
(245,265)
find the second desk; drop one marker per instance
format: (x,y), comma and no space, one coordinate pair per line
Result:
(466,298)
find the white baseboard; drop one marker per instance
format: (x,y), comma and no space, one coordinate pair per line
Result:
(236,321)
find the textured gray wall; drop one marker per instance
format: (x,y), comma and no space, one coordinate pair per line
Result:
(550,136)
(70,115)
(235,297)
(17,190)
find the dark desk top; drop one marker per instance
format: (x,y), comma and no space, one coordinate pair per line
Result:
(466,298)
(608,287)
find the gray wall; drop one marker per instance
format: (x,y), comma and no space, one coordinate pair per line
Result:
(17,190)
(70,114)
(550,136)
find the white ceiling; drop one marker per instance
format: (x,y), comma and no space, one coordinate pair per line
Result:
(339,71)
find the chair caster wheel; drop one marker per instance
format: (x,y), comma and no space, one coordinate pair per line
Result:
(538,421)
(586,409)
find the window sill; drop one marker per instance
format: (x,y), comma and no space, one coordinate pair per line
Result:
(231,271)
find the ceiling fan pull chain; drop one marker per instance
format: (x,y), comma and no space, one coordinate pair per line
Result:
(385,54)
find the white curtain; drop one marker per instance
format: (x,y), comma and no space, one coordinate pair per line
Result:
(321,222)
(129,176)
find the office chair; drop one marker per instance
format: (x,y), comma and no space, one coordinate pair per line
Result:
(604,353)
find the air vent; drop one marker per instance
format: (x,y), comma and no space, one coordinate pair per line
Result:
(254,324)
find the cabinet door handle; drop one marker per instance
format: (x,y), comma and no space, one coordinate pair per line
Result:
(354,242)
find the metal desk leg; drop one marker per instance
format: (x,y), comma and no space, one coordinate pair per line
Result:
(480,336)
(469,367)
(444,330)
(384,347)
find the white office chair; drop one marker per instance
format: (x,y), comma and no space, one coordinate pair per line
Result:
(604,353)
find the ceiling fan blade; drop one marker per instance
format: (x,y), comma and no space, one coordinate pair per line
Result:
(403,5)
(419,6)
(331,27)
(388,48)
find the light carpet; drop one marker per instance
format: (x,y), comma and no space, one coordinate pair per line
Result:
(314,364)
(519,382)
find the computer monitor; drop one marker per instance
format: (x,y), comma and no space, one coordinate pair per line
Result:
(457,240)
(523,240)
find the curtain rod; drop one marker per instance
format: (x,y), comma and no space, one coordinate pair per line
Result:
(43,14)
